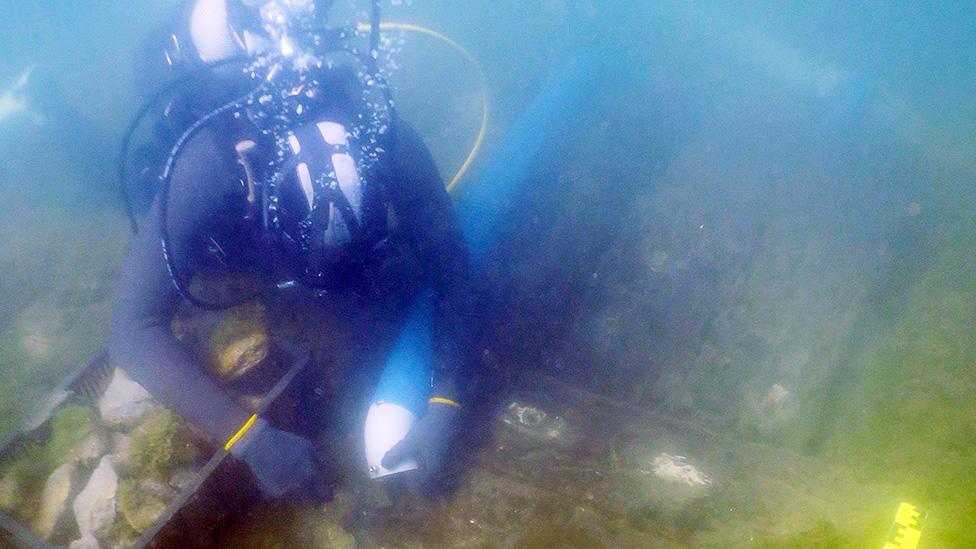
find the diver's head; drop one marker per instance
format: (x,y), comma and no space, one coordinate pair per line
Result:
(219,42)
(198,34)
(218,30)
(223,29)
(317,108)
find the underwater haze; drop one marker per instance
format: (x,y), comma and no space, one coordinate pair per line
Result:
(739,285)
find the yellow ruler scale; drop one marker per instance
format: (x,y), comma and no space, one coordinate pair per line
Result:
(907,529)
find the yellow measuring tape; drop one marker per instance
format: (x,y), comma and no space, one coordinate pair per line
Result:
(240,433)
(442,400)
(410,27)
(907,529)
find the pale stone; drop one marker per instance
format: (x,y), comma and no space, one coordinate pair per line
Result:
(775,411)
(677,469)
(54,519)
(95,505)
(87,541)
(535,422)
(125,402)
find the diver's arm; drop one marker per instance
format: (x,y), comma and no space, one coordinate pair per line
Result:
(425,214)
(282,463)
(141,341)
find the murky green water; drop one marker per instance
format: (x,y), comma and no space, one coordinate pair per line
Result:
(759,250)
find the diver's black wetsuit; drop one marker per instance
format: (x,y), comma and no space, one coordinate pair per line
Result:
(206,195)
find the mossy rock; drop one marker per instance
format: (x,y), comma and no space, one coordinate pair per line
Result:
(239,341)
(10,492)
(26,472)
(122,533)
(69,427)
(142,502)
(161,445)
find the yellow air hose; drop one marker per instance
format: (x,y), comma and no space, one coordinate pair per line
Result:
(410,27)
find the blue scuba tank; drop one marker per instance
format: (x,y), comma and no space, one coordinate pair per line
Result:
(404,387)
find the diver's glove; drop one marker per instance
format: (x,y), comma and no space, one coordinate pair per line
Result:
(283,463)
(429,440)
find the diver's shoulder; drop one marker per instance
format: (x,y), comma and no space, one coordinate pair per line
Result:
(409,145)
(407,132)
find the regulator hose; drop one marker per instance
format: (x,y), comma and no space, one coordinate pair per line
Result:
(482,78)
(166,179)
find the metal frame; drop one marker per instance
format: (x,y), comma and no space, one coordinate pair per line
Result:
(89,381)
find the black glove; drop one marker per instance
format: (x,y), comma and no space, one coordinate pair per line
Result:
(427,442)
(283,463)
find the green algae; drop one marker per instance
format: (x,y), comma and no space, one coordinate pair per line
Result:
(910,416)
(69,426)
(28,469)
(23,383)
(58,273)
(161,445)
(139,506)
(122,532)
(822,534)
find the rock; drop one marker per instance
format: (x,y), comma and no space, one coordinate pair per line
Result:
(142,503)
(775,411)
(329,535)
(239,341)
(122,449)
(677,469)
(125,402)
(181,479)
(70,426)
(162,444)
(89,450)
(87,541)
(240,355)
(41,331)
(776,395)
(95,505)
(8,493)
(54,520)
(535,422)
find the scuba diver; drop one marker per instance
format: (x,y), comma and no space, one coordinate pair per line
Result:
(280,155)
